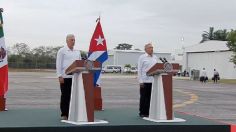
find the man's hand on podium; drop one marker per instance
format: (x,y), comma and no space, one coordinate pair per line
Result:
(61,79)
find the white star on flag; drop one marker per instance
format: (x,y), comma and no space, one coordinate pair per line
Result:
(99,40)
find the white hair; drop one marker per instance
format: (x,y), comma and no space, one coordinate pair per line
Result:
(69,36)
(146,45)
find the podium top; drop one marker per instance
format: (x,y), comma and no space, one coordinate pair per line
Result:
(83,65)
(159,68)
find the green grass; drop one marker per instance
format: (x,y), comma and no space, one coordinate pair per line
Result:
(227,81)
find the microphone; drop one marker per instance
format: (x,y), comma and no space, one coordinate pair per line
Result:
(165,60)
(161,60)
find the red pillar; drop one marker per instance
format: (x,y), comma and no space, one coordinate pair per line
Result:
(2,103)
(97,98)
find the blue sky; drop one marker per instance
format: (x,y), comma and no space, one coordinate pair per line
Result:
(162,22)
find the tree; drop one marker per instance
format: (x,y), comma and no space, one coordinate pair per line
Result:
(124,46)
(208,35)
(21,49)
(21,55)
(39,51)
(138,49)
(45,56)
(214,35)
(220,35)
(127,65)
(232,44)
(40,57)
(54,51)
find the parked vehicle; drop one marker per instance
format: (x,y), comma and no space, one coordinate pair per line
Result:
(111,69)
(126,70)
(133,69)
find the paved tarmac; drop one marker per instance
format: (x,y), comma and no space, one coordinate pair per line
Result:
(41,90)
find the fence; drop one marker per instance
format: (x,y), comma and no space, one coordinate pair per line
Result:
(32,65)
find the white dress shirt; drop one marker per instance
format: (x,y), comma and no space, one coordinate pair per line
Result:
(65,57)
(204,73)
(145,62)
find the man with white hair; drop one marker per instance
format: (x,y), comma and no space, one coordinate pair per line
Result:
(145,62)
(65,57)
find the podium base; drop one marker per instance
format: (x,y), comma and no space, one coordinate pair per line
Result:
(2,103)
(174,120)
(97,98)
(85,123)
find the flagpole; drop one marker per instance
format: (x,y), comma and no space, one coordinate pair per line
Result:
(98,102)
(1,21)
(98,19)
(98,105)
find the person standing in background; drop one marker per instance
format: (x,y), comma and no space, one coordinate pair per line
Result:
(203,77)
(215,76)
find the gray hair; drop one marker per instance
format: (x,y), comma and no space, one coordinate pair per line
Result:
(69,36)
(146,45)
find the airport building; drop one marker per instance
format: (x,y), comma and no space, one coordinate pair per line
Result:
(209,55)
(123,57)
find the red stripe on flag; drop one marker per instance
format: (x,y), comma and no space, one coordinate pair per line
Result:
(98,33)
(233,128)
(3,80)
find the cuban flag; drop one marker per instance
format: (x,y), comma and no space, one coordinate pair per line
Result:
(3,61)
(98,50)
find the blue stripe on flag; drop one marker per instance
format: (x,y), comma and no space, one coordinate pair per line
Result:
(96,77)
(101,59)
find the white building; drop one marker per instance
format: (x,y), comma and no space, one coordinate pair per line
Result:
(123,57)
(178,57)
(210,55)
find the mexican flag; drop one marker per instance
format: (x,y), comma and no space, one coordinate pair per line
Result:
(3,61)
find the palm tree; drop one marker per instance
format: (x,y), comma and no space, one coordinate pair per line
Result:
(232,44)
(217,35)
(124,46)
(208,35)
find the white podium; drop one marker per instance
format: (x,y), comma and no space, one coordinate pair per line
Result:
(82,93)
(161,104)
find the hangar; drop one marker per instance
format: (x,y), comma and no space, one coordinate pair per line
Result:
(210,55)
